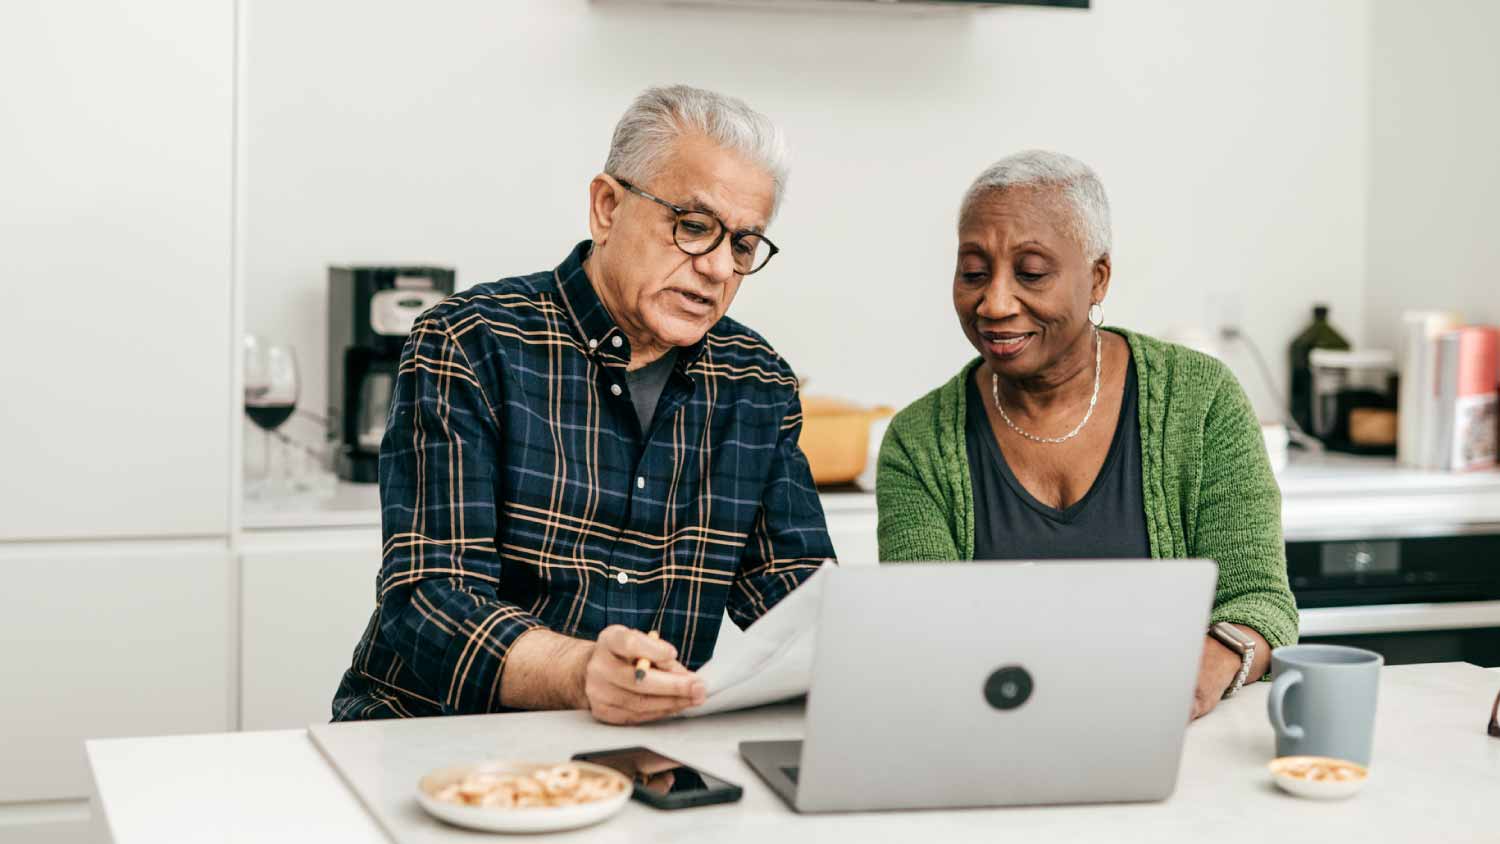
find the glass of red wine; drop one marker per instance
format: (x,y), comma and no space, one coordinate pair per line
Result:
(271,385)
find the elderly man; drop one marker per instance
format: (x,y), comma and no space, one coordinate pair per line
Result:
(579,457)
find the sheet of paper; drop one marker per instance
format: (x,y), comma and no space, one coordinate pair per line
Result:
(773,660)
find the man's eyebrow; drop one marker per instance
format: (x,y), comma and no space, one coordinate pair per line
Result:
(697,204)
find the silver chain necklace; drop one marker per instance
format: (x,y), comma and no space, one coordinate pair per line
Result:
(1093,400)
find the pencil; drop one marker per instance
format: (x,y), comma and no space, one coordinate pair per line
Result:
(642,664)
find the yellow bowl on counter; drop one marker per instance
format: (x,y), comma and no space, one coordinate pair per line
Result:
(836,438)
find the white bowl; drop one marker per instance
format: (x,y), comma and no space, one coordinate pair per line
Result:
(490,819)
(1329,789)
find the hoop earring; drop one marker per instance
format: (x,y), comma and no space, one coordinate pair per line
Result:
(1096,314)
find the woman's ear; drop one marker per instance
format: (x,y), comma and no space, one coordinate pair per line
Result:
(1100,287)
(604,201)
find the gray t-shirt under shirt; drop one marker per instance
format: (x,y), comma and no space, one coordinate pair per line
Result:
(646,385)
(1011,524)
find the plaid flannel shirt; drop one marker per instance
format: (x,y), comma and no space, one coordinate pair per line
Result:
(518,491)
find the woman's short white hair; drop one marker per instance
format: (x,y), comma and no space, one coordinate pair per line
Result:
(645,135)
(1075,181)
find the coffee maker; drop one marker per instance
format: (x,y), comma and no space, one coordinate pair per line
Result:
(371,310)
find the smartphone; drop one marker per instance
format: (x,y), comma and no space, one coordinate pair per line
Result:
(664,782)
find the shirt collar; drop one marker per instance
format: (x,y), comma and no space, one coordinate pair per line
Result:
(597,330)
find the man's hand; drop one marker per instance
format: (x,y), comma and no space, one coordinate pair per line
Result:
(610,691)
(1216,670)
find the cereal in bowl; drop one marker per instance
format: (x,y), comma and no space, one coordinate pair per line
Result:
(1314,769)
(547,787)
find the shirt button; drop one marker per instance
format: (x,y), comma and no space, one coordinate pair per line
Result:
(618,341)
(623,578)
(640,483)
(593,344)
(615,388)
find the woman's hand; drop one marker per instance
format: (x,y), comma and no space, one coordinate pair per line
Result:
(1216,670)
(1219,666)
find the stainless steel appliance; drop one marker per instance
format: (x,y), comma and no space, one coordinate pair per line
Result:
(371,310)
(1410,594)
(1354,400)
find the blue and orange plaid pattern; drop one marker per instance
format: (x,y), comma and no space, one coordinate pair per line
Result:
(517,490)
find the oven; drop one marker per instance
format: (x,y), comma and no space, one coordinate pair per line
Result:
(1411,594)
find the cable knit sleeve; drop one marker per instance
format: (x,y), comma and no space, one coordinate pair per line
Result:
(915,522)
(1236,519)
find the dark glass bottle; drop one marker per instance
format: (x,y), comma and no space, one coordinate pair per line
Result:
(1319,335)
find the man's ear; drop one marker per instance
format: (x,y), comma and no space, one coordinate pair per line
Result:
(1100,287)
(604,201)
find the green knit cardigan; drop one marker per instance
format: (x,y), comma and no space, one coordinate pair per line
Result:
(1209,489)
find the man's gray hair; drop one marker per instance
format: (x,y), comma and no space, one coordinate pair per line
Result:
(647,130)
(1075,182)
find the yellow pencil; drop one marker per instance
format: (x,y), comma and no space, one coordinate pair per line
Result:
(642,664)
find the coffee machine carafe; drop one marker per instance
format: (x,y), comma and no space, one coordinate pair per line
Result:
(371,311)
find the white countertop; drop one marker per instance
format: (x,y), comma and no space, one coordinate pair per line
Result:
(1332,473)
(1323,496)
(1329,496)
(1434,775)
(1338,496)
(358,505)
(347,505)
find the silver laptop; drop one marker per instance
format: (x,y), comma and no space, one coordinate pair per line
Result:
(941,685)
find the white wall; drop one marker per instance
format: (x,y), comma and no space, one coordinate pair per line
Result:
(1435,170)
(1231,136)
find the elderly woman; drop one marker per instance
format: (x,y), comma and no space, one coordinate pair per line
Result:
(1066,439)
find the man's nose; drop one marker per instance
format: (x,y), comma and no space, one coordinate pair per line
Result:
(717,264)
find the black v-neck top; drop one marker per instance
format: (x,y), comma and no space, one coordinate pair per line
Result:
(1011,524)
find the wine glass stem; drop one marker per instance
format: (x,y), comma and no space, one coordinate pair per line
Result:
(265,462)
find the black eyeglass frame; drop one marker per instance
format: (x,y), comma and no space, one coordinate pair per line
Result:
(734,238)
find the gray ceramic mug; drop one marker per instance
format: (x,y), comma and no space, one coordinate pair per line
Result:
(1322,701)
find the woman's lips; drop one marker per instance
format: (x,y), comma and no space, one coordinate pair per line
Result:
(1006,345)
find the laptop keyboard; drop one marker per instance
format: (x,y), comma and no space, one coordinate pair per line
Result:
(791,773)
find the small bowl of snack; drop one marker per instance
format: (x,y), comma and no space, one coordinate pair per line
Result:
(523,796)
(1318,777)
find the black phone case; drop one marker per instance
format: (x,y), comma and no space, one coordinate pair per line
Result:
(730,794)
(708,797)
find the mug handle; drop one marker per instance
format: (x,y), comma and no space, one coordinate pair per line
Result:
(1279,687)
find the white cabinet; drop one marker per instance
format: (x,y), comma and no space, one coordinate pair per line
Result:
(107,639)
(851,527)
(307,595)
(116,150)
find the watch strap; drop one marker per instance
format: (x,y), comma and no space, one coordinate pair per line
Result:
(1238,642)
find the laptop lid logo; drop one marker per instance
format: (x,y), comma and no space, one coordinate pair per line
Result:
(1008,687)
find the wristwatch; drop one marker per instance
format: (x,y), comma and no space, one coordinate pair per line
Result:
(1236,640)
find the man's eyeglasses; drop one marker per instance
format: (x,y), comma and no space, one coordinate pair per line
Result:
(700,232)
